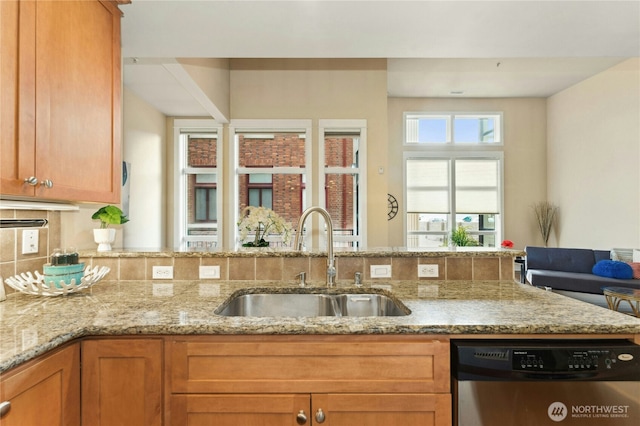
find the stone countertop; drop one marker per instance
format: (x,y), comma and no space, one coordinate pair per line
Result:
(339,252)
(32,325)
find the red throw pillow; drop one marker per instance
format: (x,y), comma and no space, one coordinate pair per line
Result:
(636,270)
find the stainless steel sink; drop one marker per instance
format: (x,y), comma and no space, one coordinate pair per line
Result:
(305,304)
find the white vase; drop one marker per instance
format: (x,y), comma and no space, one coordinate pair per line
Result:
(104,238)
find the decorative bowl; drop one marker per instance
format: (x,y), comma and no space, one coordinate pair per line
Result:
(38,285)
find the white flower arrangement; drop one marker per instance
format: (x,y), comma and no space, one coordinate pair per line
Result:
(262,221)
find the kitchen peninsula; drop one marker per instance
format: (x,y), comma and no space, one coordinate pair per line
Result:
(205,357)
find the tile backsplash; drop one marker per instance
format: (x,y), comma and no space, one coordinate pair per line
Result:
(132,266)
(250,268)
(12,261)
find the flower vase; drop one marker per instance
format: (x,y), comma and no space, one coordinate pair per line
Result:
(104,237)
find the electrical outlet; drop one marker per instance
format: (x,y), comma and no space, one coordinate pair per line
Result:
(211,272)
(29,241)
(427,271)
(162,273)
(380,271)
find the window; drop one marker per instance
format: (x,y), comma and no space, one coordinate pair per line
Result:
(453,128)
(197,216)
(449,188)
(206,194)
(271,168)
(342,165)
(444,193)
(260,190)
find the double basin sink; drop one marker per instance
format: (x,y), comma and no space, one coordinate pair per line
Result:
(288,302)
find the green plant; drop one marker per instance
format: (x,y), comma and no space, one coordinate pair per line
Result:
(110,215)
(461,238)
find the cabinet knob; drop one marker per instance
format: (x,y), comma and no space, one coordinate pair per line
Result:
(31,180)
(47,183)
(5,406)
(301,418)
(319,415)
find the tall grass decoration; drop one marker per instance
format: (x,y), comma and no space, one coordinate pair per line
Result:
(546,216)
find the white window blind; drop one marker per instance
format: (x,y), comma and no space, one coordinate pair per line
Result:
(428,186)
(476,183)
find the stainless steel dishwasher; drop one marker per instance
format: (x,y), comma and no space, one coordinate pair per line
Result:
(543,382)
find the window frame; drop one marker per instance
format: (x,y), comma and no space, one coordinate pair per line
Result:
(359,239)
(237,126)
(181,129)
(452,156)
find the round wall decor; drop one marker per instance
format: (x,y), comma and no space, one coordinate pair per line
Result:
(393,207)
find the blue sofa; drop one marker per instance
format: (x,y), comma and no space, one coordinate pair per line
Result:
(569,270)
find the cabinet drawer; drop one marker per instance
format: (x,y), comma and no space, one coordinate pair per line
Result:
(235,364)
(234,410)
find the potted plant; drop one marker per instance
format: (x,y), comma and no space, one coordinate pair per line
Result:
(107,215)
(461,238)
(545,216)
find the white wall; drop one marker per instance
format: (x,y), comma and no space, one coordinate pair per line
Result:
(524,158)
(144,147)
(593,159)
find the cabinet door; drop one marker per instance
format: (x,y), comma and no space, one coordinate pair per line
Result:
(77,45)
(122,382)
(240,410)
(44,391)
(382,409)
(17,97)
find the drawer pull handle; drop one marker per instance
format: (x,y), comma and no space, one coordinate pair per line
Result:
(31,180)
(5,406)
(301,418)
(319,415)
(47,183)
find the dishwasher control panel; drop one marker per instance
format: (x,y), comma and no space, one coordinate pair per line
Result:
(563,360)
(545,359)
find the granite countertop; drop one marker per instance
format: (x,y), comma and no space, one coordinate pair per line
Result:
(32,325)
(287,252)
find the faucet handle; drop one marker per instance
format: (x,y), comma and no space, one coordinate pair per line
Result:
(358,279)
(302,276)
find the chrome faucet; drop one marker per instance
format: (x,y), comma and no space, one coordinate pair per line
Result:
(297,244)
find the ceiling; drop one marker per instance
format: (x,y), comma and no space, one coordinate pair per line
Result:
(442,48)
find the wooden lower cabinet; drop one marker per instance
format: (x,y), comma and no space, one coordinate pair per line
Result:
(45,391)
(290,380)
(122,382)
(382,409)
(314,409)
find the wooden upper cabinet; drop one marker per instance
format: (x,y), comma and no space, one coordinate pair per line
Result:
(17,108)
(61,117)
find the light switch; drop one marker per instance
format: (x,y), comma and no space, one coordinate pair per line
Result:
(209,272)
(380,271)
